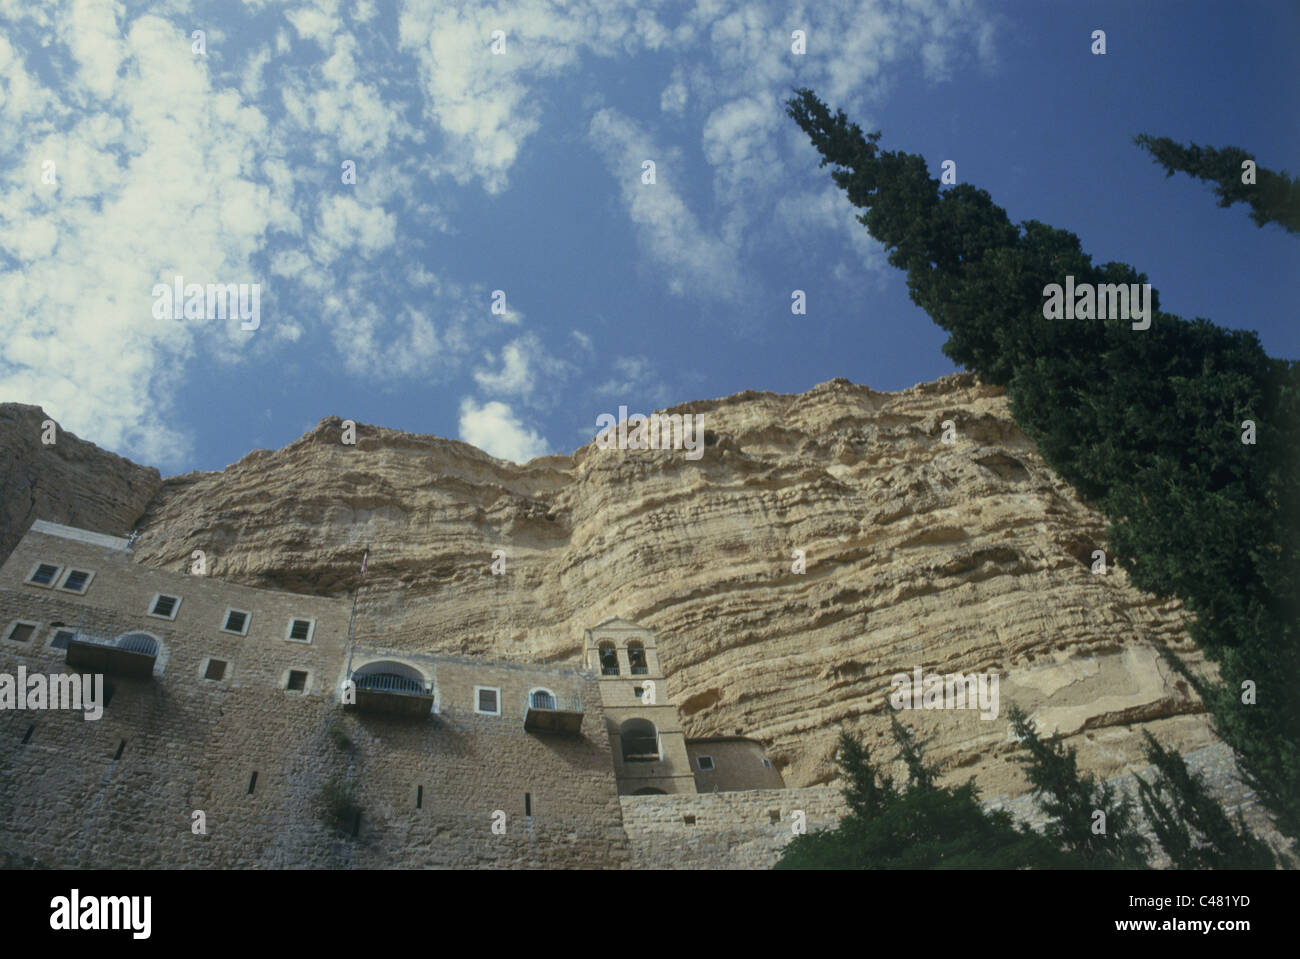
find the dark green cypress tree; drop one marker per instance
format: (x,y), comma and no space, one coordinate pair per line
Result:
(921,827)
(1072,801)
(1189,824)
(1273,197)
(1146,425)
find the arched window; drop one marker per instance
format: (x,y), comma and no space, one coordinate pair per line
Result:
(138,643)
(541,699)
(636,658)
(640,741)
(391,677)
(608,659)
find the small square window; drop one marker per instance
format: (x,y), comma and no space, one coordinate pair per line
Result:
(21,632)
(216,670)
(297,681)
(300,630)
(705,762)
(774,816)
(638,691)
(76,580)
(236,621)
(689,820)
(487,700)
(164,606)
(44,574)
(61,638)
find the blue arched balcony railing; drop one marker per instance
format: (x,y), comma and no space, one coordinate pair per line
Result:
(394,688)
(392,683)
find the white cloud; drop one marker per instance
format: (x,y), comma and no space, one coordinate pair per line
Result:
(494,429)
(515,376)
(697,261)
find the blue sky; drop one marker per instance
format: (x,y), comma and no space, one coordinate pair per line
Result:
(522,172)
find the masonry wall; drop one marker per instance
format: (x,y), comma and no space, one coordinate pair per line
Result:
(731,830)
(68,799)
(737,765)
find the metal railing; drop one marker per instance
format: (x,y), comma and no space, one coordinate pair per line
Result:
(609,670)
(392,683)
(546,702)
(640,670)
(130,643)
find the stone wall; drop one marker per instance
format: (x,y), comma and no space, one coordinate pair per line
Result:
(724,830)
(280,776)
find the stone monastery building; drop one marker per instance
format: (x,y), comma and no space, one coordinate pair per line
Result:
(243,728)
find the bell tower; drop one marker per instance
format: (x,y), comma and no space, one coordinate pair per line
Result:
(646,738)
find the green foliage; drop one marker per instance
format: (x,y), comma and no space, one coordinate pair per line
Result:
(338,801)
(339,736)
(1190,826)
(1273,197)
(921,827)
(1146,425)
(1072,802)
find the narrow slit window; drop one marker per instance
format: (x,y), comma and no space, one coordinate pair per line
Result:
(528,804)
(252,783)
(27,737)
(120,747)
(419,797)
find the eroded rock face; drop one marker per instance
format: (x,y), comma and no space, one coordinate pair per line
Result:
(970,556)
(69,481)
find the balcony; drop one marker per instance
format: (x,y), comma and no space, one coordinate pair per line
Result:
(132,655)
(393,694)
(547,713)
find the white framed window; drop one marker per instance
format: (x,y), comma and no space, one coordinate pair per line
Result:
(164,606)
(297,681)
(76,580)
(236,621)
(215,670)
(487,700)
(704,762)
(60,636)
(300,630)
(44,575)
(21,630)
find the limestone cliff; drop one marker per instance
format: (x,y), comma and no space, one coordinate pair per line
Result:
(66,481)
(970,556)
